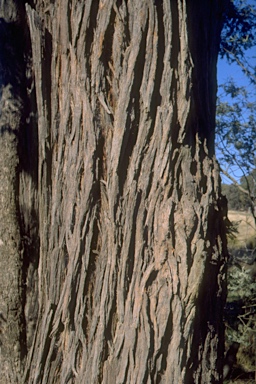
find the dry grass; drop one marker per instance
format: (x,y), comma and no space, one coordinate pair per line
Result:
(246,226)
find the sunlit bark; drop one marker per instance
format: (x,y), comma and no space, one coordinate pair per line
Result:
(129,282)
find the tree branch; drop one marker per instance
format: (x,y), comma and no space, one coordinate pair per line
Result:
(235,182)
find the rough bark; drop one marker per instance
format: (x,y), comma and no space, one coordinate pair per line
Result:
(12,75)
(130,277)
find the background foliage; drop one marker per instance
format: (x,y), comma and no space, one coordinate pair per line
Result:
(235,148)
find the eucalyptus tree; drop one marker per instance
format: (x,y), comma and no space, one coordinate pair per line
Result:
(118,251)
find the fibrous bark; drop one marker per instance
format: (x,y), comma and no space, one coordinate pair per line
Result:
(130,277)
(12,77)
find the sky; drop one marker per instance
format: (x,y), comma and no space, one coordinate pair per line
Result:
(227,71)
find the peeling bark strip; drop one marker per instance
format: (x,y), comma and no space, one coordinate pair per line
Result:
(132,242)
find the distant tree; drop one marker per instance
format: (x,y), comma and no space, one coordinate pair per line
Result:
(236,133)
(236,138)
(238,35)
(236,106)
(237,199)
(248,182)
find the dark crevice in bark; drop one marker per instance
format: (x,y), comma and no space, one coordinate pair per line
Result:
(174,155)
(118,3)
(175,34)
(205,37)
(56,355)
(172,225)
(208,322)
(126,35)
(190,128)
(162,350)
(46,75)
(199,86)
(98,203)
(178,178)
(193,361)
(110,329)
(176,128)
(106,53)
(101,156)
(69,21)
(47,344)
(150,176)
(78,354)
(90,281)
(73,295)
(222,204)
(203,185)
(102,358)
(132,245)
(136,342)
(73,219)
(193,167)
(112,322)
(156,96)
(133,117)
(12,64)
(90,32)
(152,277)
(126,370)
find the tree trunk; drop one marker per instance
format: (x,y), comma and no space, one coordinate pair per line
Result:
(129,283)
(12,96)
